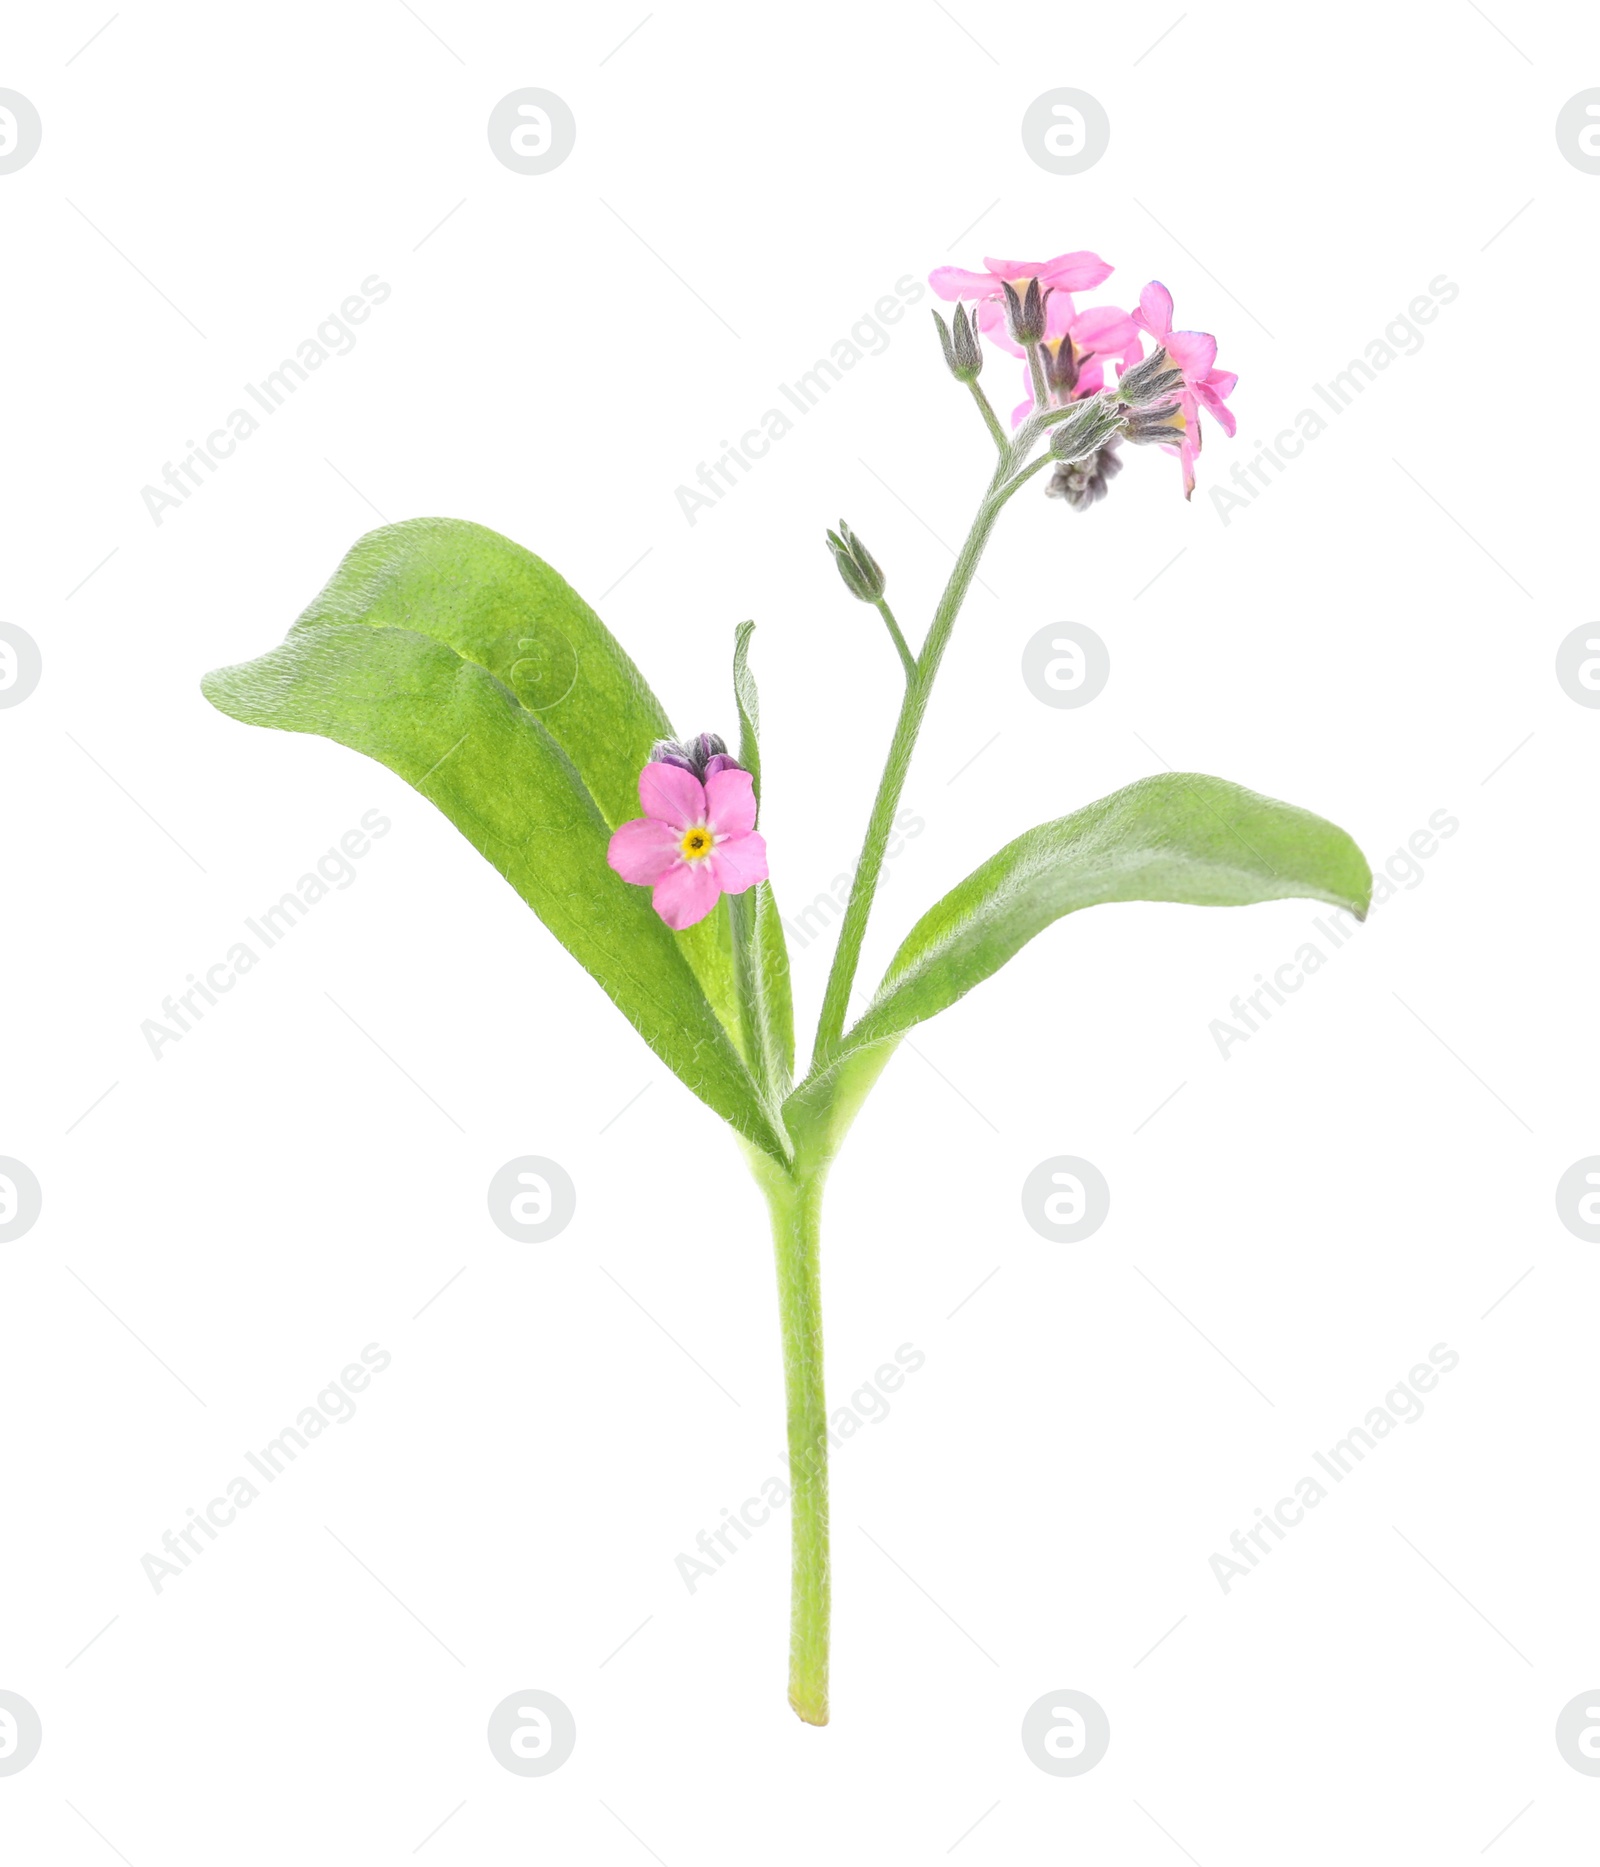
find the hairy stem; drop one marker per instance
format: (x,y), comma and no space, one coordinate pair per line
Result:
(990,418)
(795,1202)
(907,660)
(919,686)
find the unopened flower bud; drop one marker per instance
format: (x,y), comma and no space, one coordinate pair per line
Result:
(1095,422)
(1062,366)
(962,354)
(1082,482)
(1154,380)
(857,566)
(1025,315)
(702,757)
(1146,427)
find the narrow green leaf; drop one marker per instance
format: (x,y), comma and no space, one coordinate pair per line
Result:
(761,954)
(508,612)
(1175,837)
(456,734)
(748,701)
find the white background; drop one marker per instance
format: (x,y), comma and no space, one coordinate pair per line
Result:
(1373,637)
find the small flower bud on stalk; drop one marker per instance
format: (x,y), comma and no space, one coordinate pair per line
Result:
(962,354)
(1025,316)
(1154,380)
(1062,366)
(857,566)
(1097,421)
(1147,427)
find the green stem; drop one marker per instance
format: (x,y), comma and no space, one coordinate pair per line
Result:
(991,419)
(1027,473)
(795,1202)
(914,704)
(907,660)
(1041,383)
(794,1194)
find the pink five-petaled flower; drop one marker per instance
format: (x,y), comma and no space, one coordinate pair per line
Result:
(1067,272)
(1204,385)
(694,843)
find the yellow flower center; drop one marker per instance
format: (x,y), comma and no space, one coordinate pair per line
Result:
(697,844)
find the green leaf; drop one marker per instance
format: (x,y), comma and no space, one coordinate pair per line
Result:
(507,612)
(760,952)
(1176,837)
(454,732)
(748,701)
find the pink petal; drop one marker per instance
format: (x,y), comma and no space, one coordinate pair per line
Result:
(1210,397)
(1155,309)
(731,803)
(720,761)
(1074,272)
(642,851)
(1222,383)
(1023,409)
(740,863)
(1067,272)
(950,282)
(1104,329)
(685,894)
(1059,313)
(1188,449)
(1014,269)
(1194,352)
(672,795)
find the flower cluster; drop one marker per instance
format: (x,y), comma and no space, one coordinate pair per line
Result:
(1027,307)
(697,839)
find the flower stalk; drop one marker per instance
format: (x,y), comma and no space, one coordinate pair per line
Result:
(913,706)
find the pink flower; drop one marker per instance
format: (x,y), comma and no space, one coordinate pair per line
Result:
(1204,386)
(1077,346)
(694,843)
(1058,278)
(1067,272)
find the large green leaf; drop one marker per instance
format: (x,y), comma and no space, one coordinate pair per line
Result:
(455,733)
(1176,837)
(505,610)
(501,607)
(761,954)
